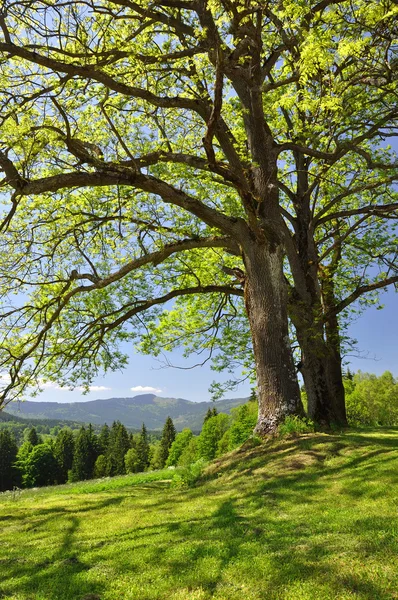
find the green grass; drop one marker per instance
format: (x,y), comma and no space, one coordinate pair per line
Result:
(308,518)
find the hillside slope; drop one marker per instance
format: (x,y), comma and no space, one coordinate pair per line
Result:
(132,412)
(312,518)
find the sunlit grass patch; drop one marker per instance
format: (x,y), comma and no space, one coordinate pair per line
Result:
(309,518)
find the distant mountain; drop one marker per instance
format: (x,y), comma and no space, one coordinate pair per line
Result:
(132,412)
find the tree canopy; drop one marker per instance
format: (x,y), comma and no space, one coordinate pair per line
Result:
(228,156)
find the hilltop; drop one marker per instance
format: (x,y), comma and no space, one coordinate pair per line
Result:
(308,518)
(132,412)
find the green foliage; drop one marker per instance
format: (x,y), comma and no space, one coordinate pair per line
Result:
(9,475)
(155,456)
(244,419)
(100,467)
(33,438)
(132,461)
(119,443)
(143,450)
(85,454)
(41,467)
(211,412)
(372,400)
(103,439)
(212,432)
(178,446)
(189,475)
(63,451)
(293,425)
(190,453)
(168,437)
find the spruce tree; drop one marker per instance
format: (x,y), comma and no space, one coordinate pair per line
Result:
(253,395)
(33,437)
(208,415)
(84,455)
(168,437)
(103,439)
(8,454)
(119,443)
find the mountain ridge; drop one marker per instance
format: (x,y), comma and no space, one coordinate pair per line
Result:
(131,411)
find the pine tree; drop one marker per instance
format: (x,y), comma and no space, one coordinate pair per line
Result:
(208,415)
(119,443)
(84,455)
(33,437)
(168,437)
(63,452)
(103,439)
(8,454)
(253,395)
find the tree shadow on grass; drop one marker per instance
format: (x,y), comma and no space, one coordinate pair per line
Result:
(56,576)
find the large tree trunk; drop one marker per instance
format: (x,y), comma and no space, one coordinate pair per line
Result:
(266,304)
(332,331)
(309,301)
(320,366)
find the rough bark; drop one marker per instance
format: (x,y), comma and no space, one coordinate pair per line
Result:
(320,367)
(265,297)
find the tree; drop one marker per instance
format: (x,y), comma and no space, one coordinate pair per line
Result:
(143,449)
(166,441)
(211,412)
(132,461)
(119,444)
(8,455)
(258,130)
(84,456)
(33,438)
(372,400)
(181,441)
(63,451)
(100,467)
(211,434)
(155,457)
(41,467)
(103,439)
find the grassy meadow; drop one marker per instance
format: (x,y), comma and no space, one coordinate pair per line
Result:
(311,518)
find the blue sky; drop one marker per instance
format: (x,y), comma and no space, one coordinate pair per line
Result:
(375,330)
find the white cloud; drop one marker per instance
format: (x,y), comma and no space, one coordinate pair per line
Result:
(146,389)
(51,385)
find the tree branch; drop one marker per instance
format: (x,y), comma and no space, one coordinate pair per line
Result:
(363,289)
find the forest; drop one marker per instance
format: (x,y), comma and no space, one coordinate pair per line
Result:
(69,456)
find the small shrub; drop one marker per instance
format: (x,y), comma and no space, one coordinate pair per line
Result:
(293,425)
(187,476)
